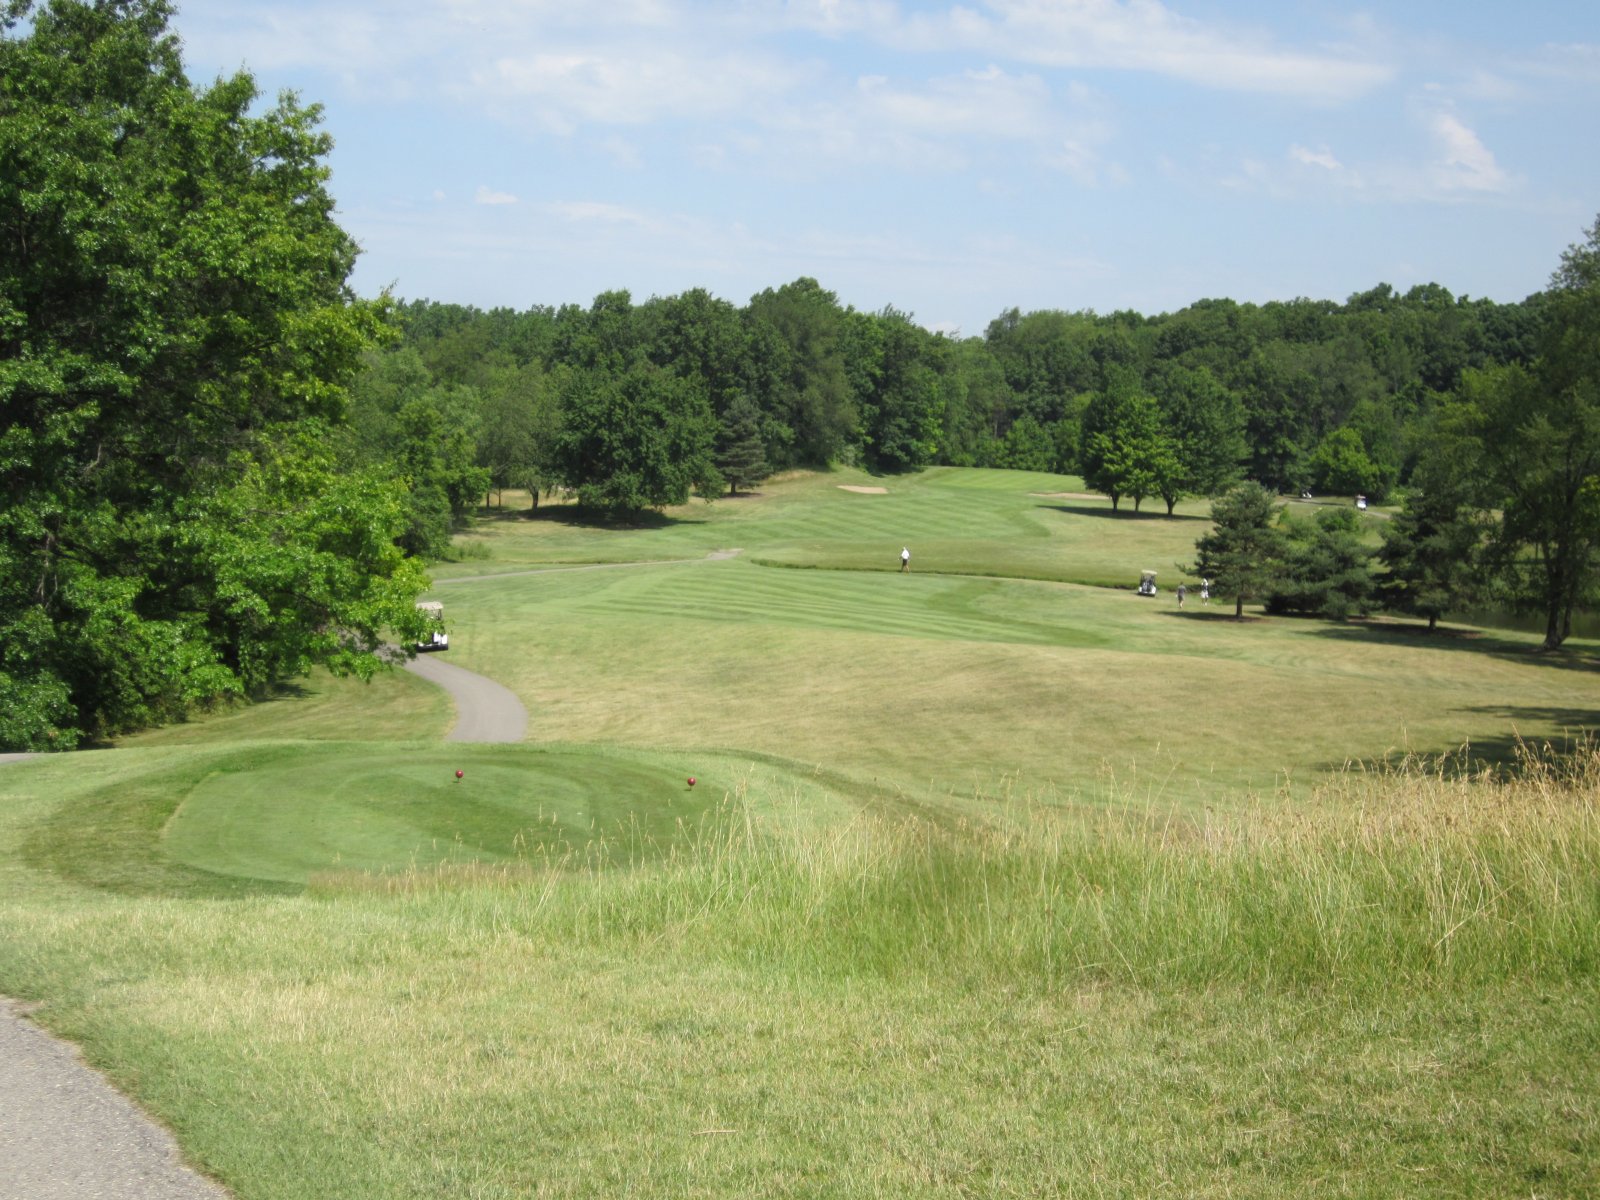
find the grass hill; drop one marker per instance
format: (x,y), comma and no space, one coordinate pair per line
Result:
(996,879)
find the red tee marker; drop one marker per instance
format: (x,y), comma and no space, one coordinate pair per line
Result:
(459,774)
(691,781)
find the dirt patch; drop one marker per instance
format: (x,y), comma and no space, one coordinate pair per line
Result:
(865,491)
(1069,495)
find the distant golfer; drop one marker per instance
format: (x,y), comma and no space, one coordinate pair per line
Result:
(905,559)
(1182,592)
(1205,591)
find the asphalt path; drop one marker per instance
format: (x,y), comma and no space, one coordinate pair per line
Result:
(67,1134)
(485,711)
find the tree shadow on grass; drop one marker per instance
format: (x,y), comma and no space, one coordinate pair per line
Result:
(279,691)
(1215,613)
(573,516)
(1568,733)
(1124,514)
(1460,640)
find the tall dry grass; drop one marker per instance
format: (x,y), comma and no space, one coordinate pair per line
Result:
(1406,874)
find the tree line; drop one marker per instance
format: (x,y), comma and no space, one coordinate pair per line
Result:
(1481,415)
(1502,503)
(1296,395)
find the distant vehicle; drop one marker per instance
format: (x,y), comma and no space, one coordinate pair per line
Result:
(1361,502)
(437,638)
(1147,583)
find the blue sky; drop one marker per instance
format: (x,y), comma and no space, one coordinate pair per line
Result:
(953,160)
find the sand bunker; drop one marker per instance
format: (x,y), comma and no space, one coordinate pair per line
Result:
(867,491)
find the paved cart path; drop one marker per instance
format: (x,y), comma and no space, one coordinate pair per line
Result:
(67,1134)
(485,711)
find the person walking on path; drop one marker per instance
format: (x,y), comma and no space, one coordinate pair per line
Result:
(905,559)
(1182,592)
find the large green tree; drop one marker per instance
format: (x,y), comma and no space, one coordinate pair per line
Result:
(1326,567)
(1538,433)
(517,428)
(637,441)
(1205,423)
(1243,553)
(798,373)
(902,405)
(1432,549)
(175,339)
(739,453)
(1126,451)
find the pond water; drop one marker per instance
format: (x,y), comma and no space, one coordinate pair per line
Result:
(1584,624)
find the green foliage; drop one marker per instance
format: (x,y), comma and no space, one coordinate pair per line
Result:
(636,442)
(1125,451)
(427,435)
(172,302)
(701,338)
(740,457)
(1340,465)
(1537,433)
(903,406)
(306,562)
(1432,552)
(517,428)
(1027,446)
(1242,555)
(799,373)
(1325,569)
(1205,423)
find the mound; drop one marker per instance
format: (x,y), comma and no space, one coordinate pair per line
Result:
(270,817)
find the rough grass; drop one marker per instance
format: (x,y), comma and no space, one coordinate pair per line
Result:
(1391,989)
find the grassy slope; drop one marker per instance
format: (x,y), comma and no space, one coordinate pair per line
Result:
(816,993)
(942,681)
(1403,1002)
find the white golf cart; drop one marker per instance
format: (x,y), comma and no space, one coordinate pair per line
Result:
(436,638)
(1147,583)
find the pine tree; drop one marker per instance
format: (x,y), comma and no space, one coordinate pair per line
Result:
(1242,553)
(740,455)
(1431,550)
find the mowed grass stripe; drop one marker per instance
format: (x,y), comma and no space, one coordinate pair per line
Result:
(912,606)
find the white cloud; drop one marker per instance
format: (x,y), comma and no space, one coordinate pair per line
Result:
(1315,158)
(622,153)
(1449,164)
(595,212)
(1463,162)
(988,103)
(1143,35)
(627,85)
(488,195)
